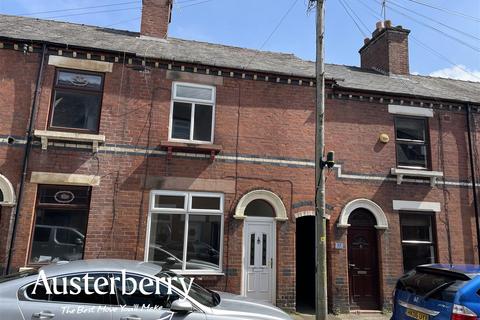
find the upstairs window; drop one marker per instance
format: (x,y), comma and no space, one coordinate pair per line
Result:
(193,112)
(412,142)
(77,100)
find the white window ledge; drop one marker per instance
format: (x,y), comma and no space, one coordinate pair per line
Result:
(400,173)
(402,205)
(46,135)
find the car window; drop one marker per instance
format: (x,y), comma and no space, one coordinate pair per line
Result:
(436,286)
(42,234)
(40,292)
(68,236)
(78,294)
(155,298)
(200,294)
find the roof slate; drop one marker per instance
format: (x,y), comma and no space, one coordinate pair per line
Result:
(78,35)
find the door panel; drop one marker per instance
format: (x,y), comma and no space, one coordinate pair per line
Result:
(259,246)
(363,268)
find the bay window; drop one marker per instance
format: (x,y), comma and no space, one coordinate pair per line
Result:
(186,231)
(192,114)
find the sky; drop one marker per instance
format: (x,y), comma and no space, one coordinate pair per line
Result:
(444,39)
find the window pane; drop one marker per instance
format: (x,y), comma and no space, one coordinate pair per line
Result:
(412,155)
(79,80)
(166,240)
(169,202)
(181,120)
(65,195)
(252,249)
(206,203)
(414,255)
(184,91)
(83,297)
(202,130)
(264,249)
(203,251)
(60,222)
(259,208)
(411,129)
(40,292)
(416,227)
(78,110)
(1,196)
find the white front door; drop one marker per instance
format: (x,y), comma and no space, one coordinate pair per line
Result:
(259,264)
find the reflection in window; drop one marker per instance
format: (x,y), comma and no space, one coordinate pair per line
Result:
(60,224)
(187,235)
(77,101)
(259,208)
(417,239)
(192,113)
(411,139)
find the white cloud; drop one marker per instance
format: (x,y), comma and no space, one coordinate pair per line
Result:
(459,72)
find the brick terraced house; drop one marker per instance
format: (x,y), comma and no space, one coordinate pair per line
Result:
(200,157)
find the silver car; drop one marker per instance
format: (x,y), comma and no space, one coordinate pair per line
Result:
(102,293)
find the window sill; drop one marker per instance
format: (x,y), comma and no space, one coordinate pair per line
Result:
(432,175)
(170,146)
(199,273)
(46,135)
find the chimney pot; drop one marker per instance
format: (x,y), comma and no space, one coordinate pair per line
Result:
(379,25)
(366,40)
(388,23)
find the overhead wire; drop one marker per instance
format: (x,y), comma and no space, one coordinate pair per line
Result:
(434,28)
(422,44)
(365,35)
(435,21)
(457,13)
(271,33)
(75,9)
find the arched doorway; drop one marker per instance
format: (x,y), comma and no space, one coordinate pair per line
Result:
(260,209)
(305,264)
(363,260)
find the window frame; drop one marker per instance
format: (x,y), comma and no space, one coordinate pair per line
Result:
(175,211)
(53,206)
(425,143)
(193,102)
(56,87)
(433,230)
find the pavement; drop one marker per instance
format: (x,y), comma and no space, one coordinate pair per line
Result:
(349,316)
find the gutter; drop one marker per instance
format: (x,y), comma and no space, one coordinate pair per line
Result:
(26,156)
(474,178)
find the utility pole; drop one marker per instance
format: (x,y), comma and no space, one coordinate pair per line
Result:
(321,247)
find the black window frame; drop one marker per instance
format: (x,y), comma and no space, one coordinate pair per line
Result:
(433,227)
(425,143)
(58,206)
(73,89)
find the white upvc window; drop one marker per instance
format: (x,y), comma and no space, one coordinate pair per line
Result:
(192,114)
(185,231)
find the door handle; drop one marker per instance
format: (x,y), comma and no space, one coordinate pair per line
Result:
(130,318)
(44,315)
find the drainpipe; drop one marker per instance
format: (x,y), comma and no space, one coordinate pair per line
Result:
(474,177)
(26,156)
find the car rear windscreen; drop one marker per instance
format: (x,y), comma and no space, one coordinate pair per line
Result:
(439,286)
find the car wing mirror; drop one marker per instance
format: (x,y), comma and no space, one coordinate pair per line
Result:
(181,306)
(79,242)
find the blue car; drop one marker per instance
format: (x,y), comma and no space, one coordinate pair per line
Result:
(438,292)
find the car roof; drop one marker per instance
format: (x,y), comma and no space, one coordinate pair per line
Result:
(468,269)
(101,265)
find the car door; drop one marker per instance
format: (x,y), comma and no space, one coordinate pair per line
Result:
(135,305)
(37,303)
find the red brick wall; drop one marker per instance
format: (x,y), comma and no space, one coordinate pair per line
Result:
(274,120)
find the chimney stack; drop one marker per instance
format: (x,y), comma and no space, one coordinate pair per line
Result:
(156,16)
(387,50)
